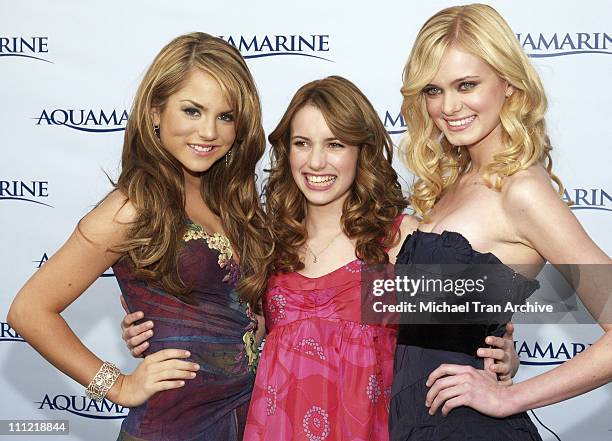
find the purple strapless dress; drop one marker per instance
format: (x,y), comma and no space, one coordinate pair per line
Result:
(218,331)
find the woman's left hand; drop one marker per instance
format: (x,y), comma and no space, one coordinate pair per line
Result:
(453,385)
(505,359)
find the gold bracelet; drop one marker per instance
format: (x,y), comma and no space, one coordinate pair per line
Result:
(102,381)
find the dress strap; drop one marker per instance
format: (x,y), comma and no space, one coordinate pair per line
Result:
(395,226)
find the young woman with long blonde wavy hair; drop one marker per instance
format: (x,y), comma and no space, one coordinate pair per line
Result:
(478,147)
(184,210)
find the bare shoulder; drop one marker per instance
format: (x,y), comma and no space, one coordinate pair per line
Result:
(109,222)
(543,221)
(528,190)
(408,225)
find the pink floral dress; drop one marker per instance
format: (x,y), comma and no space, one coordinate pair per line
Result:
(323,375)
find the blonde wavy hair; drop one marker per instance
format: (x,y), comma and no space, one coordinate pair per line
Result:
(375,199)
(152,179)
(479,30)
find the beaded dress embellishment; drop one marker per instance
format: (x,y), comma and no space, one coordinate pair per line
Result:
(221,243)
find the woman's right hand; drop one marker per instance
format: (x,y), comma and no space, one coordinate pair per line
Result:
(160,371)
(135,336)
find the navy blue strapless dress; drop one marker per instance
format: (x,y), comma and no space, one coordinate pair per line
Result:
(422,348)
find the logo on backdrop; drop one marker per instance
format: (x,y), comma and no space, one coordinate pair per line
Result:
(40,262)
(84,407)
(394,123)
(85,120)
(547,353)
(8,334)
(34,48)
(588,199)
(539,45)
(258,46)
(35,192)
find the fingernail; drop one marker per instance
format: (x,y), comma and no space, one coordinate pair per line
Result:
(187,353)
(149,333)
(193,374)
(196,367)
(489,340)
(182,383)
(427,384)
(427,403)
(150,324)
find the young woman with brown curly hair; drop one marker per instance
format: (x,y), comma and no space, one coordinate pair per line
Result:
(333,204)
(184,210)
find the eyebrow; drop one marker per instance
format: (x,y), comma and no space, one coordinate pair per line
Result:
(198,105)
(308,139)
(201,107)
(459,80)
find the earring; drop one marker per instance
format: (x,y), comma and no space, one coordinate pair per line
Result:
(156,129)
(228,157)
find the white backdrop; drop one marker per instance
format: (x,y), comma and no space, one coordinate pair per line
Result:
(68,71)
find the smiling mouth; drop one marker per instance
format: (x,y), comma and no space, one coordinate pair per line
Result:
(198,148)
(459,124)
(320,181)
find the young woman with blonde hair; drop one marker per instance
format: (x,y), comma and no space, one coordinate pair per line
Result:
(184,209)
(478,146)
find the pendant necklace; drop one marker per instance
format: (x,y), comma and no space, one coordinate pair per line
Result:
(315,256)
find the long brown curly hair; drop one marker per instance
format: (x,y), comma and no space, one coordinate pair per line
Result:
(375,199)
(481,31)
(152,179)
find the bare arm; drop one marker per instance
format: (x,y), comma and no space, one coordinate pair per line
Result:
(547,224)
(36,310)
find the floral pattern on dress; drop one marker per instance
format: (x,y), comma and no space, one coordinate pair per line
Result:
(219,243)
(275,308)
(270,400)
(316,424)
(309,346)
(373,388)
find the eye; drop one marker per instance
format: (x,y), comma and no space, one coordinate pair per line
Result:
(336,145)
(467,85)
(227,116)
(191,112)
(432,91)
(300,144)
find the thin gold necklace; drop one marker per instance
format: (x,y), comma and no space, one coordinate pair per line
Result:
(315,256)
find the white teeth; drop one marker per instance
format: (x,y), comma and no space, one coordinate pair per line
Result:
(461,122)
(320,181)
(199,148)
